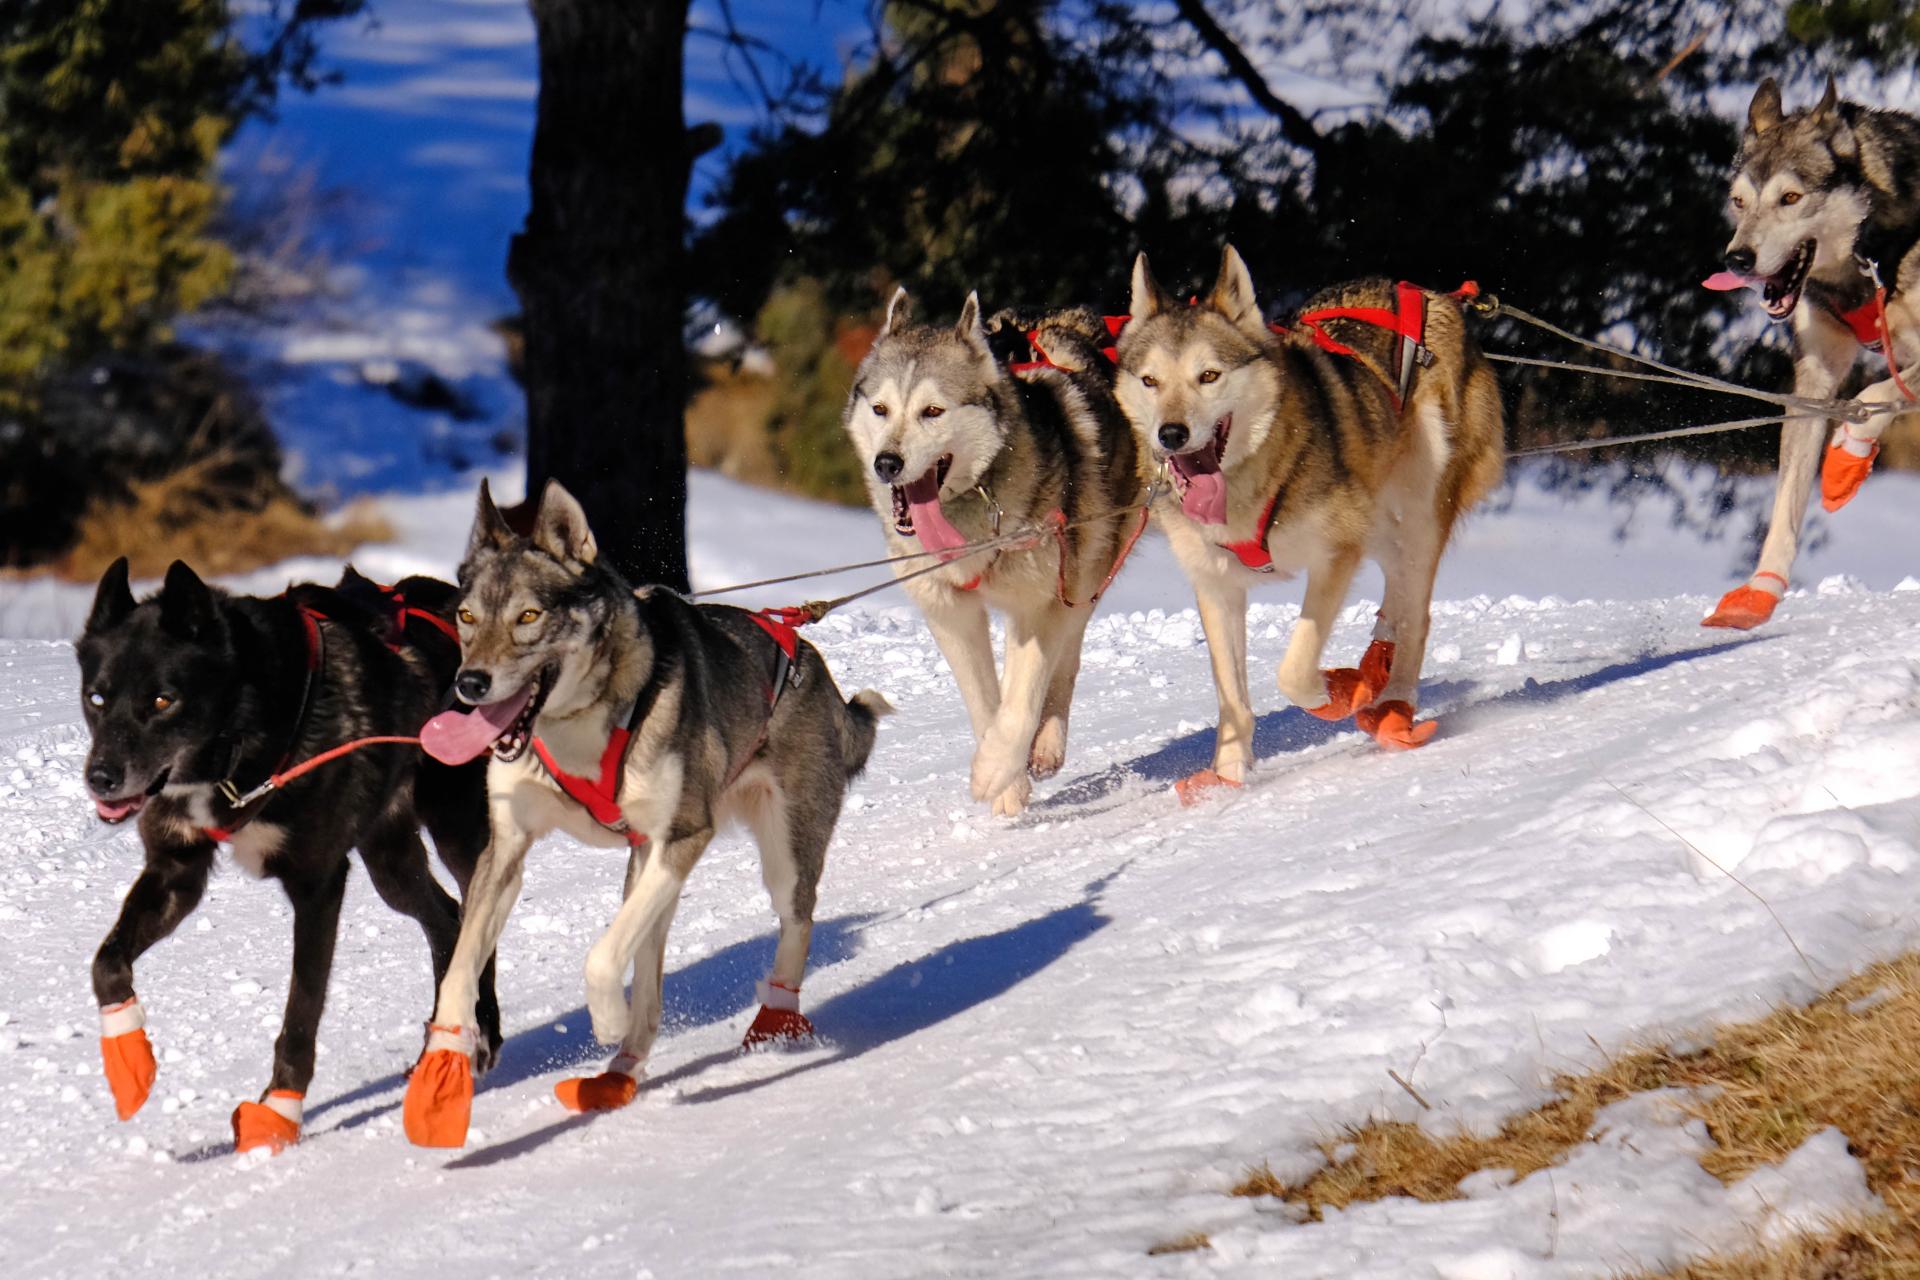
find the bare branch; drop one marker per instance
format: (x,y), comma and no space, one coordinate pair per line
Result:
(1295,125)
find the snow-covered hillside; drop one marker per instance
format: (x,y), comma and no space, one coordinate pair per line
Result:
(1054,1042)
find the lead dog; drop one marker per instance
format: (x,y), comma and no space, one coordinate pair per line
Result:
(1826,204)
(957,449)
(194,695)
(638,721)
(1287,456)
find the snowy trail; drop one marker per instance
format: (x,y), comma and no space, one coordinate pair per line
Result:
(1052,1042)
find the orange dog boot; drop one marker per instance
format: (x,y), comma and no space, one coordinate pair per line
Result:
(1843,471)
(609,1091)
(1376,664)
(439,1101)
(1392,726)
(1195,787)
(127,1055)
(1347,691)
(1746,606)
(779,1019)
(273,1124)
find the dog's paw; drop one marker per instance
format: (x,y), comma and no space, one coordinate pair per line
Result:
(1347,692)
(1308,690)
(1742,609)
(261,1126)
(777,1027)
(1012,802)
(1049,748)
(127,1055)
(996,769)
(1842,473)
(1392,726)
(608,1091)
(1203,785)
(439,1101)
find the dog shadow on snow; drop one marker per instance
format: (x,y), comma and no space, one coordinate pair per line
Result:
(901,1002)
(1290,730)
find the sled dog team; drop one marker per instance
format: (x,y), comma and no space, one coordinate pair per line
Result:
(637,720)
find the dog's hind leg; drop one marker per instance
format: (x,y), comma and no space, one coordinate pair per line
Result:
(274,1121)
(1300,677)
(1050,742)
(1409,561)
(792,828)
(166,892)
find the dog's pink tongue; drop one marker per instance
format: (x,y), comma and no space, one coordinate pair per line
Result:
(115,810)
(1727,281)
(936,532)
(1205,497)
(455,737)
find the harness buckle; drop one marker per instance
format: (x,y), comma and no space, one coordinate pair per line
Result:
(228,792)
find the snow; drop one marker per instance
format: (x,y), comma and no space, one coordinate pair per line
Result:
(1052,1043)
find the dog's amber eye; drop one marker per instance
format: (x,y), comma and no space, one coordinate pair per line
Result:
(1209,375)
(932,411)
(1738,203)
(529,615)
(1790,197)
(466,616)
(1148,380)
(161,702)
(879,411)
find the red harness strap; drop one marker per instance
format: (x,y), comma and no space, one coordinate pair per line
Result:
(1253,551)
(1407,321)
(1041,360)
(598,796)
(1864,321)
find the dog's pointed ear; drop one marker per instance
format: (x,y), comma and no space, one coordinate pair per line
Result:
(112,599)
(971,331)
(1828,106)
(1232,294)
(187,607)
(1149,299)
(1764,112)
(490,528)
(899,311)
(561,528)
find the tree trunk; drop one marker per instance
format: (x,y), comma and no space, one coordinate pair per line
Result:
(599,271)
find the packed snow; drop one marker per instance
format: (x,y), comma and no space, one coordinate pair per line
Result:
(1051,1043)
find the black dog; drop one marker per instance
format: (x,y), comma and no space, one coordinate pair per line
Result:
(194,698)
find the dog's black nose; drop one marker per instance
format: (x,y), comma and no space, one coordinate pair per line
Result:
(1173,434)
(473,685)
(103,781)
(1740,261)
(888,467)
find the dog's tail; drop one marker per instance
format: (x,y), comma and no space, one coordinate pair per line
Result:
(864,710)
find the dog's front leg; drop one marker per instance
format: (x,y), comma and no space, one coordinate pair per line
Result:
(166,892)
(1826,350)
(1300,676)
(637,938)
(273,1122)
(440,1092)
(958,620)
(1223,617)
(1050,742)
(1000,765)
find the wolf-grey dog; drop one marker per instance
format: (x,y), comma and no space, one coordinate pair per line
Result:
(637,720)
(957,449)
(1826,209)
(193,697)
(1287,456)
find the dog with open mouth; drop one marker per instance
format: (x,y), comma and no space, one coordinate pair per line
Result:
(1310,450)
(960,442)
(1826,212)
(631,720)
(194,698)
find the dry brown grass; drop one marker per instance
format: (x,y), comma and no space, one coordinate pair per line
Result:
(1192,1242)
(1851,1060)
(194,514)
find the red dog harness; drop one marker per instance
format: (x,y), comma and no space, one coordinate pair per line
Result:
(600,796)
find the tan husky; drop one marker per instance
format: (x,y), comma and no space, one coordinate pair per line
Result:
(1309,451)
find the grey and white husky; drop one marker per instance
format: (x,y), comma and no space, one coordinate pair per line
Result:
(956,449)
(1826,209)
(630,720)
